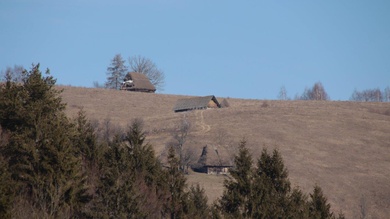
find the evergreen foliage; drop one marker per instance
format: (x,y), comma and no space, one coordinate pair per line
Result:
(197,203)
(116,72)
(176,205)
(236,196)
(264,191)
(271,187)
(115,196)
(41,158)
(85,139)
(131,179)
(318,205)
(6,193)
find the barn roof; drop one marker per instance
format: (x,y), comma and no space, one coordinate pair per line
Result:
(195,103)
(215,156)
(140,81)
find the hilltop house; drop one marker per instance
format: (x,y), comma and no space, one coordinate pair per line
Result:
(134,81)
(214,160)
(196,103)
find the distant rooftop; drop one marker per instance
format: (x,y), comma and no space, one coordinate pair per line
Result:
(196,103)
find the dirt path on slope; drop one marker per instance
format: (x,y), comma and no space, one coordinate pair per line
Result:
(204,128)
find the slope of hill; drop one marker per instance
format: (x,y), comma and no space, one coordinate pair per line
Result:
(342,146)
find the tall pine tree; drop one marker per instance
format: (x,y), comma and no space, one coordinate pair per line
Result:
(319,206)
(176,204)
(41,157)
(234,200)
(271,187)
(116,72)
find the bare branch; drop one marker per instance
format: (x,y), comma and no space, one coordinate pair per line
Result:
(147,67)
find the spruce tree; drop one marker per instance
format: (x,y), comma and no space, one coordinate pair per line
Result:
(176,204)
(42,160)
(132,181)
(271,187)
(115,196)
(235,197)
(318,205)
(85,139)
(197,203)
(116,72)
(143,156)
(152,190)
(298,204)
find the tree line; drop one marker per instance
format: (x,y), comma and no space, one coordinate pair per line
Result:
(317,92)
(52,166)
(371,95)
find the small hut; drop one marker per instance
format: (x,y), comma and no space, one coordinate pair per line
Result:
(134,81)
(196,103)
(214,160)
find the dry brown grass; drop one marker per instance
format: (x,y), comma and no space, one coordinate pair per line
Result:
(342,146)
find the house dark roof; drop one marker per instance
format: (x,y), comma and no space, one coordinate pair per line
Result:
(140,83)
(196,103)
(215,156)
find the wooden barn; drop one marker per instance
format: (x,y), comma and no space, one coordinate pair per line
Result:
(214,160)
(134,81)
(196,103)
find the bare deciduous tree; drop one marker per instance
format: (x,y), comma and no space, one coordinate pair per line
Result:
(106,130)
(317,92)
(386,94)
(283,94)
(15,74)
(116,72)
(147,67)
(180,137)
(225,140)
(368,95)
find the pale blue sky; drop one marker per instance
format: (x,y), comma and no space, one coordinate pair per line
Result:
(243,49)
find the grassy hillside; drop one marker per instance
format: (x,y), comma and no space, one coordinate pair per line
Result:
(342,146)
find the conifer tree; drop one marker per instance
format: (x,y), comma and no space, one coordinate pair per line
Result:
(176,204)
(236,195)
(197,203)
(318,205)
(152,191)
(144,161)
(115,193)
(41,157)
(91,153)
(298,204)
(132,180)
(271,187)
(85,139)
(116,72)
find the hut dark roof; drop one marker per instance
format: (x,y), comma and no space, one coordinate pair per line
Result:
(215,156)
(140,82)
(195,103)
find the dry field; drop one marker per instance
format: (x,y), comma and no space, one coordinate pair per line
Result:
(342,146)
